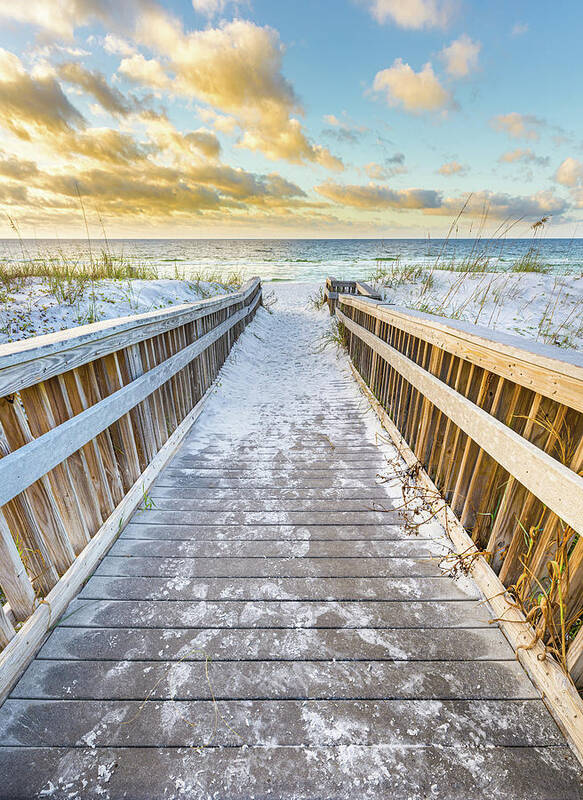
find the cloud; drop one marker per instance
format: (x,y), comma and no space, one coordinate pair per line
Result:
(453,168)
(524,155)
(166,137)
(236,69)
(498,205)
(414,91)
(343,129)
(395,165)
(61,17)
(144,71)
(16,168)
(212,8)
(117,46)
(376,197)
(32,103)
(519,126)
(95,84)
(519,28)
(570,173)
(461,57)
(412,13)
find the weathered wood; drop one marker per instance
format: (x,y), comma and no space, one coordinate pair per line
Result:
(545,369)
(29,361)
(23,467)
(13,578)
(430,680)
(557,486)
(260,644)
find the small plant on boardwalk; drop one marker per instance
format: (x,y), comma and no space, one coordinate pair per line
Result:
(147,502)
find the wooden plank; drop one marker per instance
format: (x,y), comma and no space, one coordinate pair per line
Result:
(420,680)
(14,581)
(238,567)
(324,504)
(555,485)
(277,614)
(424,589)
(300,533)
(548,370)
(166,644)
(400,773)
(156,516)
(412,547)
(365,290)
(23,467)
(401,723)
(29,361)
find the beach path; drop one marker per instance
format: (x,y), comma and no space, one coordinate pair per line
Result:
(266,627)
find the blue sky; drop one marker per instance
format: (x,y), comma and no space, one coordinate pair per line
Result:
(349,118)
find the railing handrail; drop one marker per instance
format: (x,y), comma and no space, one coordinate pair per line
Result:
(544,368)
(27,361)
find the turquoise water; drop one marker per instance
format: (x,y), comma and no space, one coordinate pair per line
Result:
(304,259)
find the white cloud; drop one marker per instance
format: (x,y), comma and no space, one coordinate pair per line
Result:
(525,155)
(461,57)
(452,168)
(382,172)
(414,91)
(118,46)
(519,126)
(570,173)
(145,71)
(519,28)
(61,17)
(212,8)
(412,13)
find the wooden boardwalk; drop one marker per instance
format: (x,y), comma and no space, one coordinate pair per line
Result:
(265,628)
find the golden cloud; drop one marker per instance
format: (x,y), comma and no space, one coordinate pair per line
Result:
(452,168)
(519,126)
(375,197)
(95,84)
(429,201)
(236,69)
(414,91)
(32,103)
(570,173)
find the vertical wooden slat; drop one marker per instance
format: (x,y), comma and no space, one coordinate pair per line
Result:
(41,418)
(7,631)
(40,494)
(13,578)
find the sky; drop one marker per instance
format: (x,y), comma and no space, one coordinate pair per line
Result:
(304,118)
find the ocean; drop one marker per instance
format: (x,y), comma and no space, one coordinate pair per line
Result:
(302,259)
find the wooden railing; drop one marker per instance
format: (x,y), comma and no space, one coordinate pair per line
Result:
(497,424)
(87,418)
(335,287)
